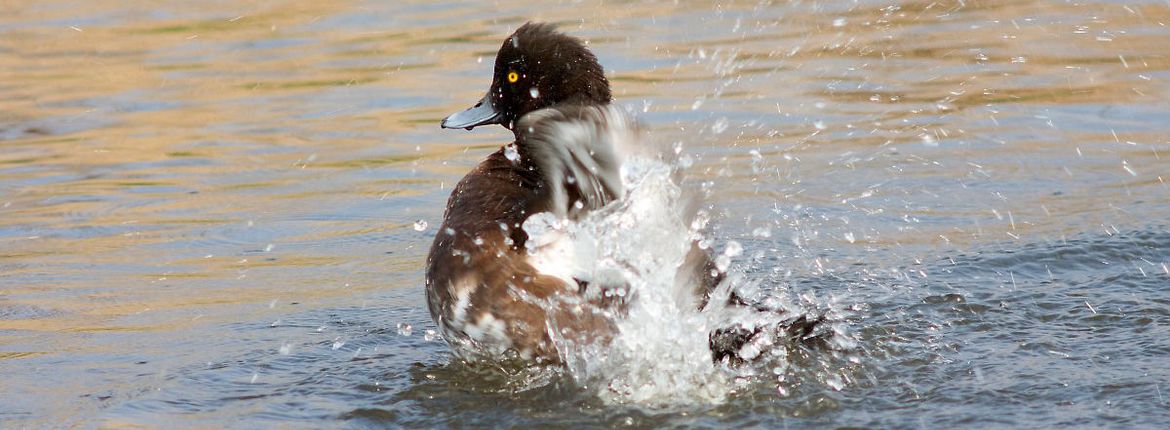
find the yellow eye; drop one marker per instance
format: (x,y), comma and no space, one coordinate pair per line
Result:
(513,77)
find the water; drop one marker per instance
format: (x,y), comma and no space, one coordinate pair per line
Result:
(208,211)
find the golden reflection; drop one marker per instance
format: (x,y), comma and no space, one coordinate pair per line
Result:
(167,169)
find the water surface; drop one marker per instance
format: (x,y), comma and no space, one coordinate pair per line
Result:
(207,209)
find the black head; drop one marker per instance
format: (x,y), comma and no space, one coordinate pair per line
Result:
(537,67)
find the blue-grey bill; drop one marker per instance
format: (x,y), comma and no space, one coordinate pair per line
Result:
(482,113)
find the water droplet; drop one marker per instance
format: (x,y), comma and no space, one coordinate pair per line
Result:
(1125,165)
(285,349)
(268,248)
(820,125)
(849,237)
(405,329)
(511,153)
(420,225)
(757,161)
(839,22)
(722,262)
(700,221)
(733,249)
(338,343)
(928,140)
(764,232)
(719,126)
(429,335)
(534,92)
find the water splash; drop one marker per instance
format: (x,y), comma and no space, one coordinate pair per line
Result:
(660,349)
(660,352)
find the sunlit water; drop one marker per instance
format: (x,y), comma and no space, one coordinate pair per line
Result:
(208,211)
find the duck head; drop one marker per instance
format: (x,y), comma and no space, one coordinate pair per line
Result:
(536,67)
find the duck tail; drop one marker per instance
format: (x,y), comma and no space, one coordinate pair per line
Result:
(740,344)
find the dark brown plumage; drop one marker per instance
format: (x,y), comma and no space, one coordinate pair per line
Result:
(482,289)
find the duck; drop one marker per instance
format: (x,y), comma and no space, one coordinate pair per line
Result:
(486,292)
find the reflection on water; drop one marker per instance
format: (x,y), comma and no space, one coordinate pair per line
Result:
(206,208)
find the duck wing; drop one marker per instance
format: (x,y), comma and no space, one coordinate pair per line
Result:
(579,150)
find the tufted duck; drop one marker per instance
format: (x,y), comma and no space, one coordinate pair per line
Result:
(483,289)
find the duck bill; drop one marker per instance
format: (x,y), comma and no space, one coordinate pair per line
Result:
(483,113)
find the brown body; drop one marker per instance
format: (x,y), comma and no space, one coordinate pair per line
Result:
(482,289)
(478,252)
